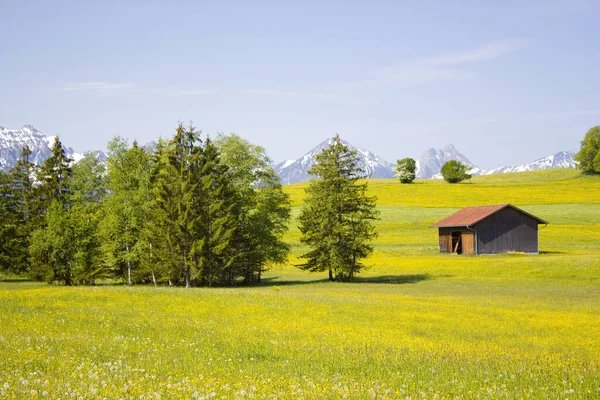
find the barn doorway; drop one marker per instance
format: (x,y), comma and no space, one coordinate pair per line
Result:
(456,243)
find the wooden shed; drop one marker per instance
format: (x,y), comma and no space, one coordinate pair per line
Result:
(501,228)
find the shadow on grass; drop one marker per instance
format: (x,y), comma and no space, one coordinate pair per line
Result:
(393,279)
(384,279)
(551,252)
(16,279)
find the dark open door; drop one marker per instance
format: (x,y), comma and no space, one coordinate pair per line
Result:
(456,243)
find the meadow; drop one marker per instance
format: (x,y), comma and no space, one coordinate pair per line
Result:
(416,324)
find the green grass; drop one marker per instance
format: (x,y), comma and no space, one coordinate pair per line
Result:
(416,324)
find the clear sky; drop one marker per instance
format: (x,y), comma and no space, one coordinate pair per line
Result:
(504,81)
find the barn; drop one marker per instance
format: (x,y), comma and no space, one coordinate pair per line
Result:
(501,228)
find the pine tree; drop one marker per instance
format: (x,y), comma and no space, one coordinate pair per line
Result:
(54,175)
(10,249)
(336,219)
(214,251)
(25,211)
(176,194)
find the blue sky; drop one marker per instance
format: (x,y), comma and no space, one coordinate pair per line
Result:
(506,81)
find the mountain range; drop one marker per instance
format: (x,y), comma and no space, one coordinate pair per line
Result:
(13,140)
(290,171)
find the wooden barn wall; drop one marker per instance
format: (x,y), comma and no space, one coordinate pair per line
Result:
(468,240)
(507,230)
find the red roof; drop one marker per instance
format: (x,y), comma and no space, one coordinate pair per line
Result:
(472,215)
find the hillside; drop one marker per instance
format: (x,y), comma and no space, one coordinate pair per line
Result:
(417,324)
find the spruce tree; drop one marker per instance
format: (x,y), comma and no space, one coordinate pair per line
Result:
(54,175)
(25,211)
(176,193)
(214,251)
(336,219)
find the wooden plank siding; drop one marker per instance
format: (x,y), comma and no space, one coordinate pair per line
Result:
(467,238)
(508,230)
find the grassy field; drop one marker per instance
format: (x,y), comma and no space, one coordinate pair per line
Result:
(416,324)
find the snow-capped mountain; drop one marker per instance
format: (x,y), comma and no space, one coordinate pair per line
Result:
(431,162)
(13,140)
(563,159)
(294,171)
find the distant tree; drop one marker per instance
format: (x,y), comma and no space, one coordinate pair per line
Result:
(589,154)
(454,171)
(54,175)
(405,170)
(336,219)
(264,209)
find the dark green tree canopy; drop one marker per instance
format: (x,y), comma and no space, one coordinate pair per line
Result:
(336,219)
(589,154)
(405,170)
(455,171)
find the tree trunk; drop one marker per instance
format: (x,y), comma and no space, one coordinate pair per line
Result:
(330,274)
(128,266)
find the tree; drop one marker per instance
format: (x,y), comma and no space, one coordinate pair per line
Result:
(52,246)
(589,154)
(179,201)
(21,214)
(214,250)
(405,170)
(54,175)
(454,171)
(88,191)
(336,219)
(264,209)
(125,208)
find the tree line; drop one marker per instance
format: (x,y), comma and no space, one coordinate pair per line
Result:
(191,212)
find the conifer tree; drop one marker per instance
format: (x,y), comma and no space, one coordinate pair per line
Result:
(336,219)
(10,249)
(25,211)
(176,194)
(214,250)
(54,175)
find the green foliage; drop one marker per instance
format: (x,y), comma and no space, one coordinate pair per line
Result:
(335,220)
(19,212)
(264,209)
(54,175)
(53,246)
(125,209)
(589,154)
(454,172)
(88,191)
(405,170)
